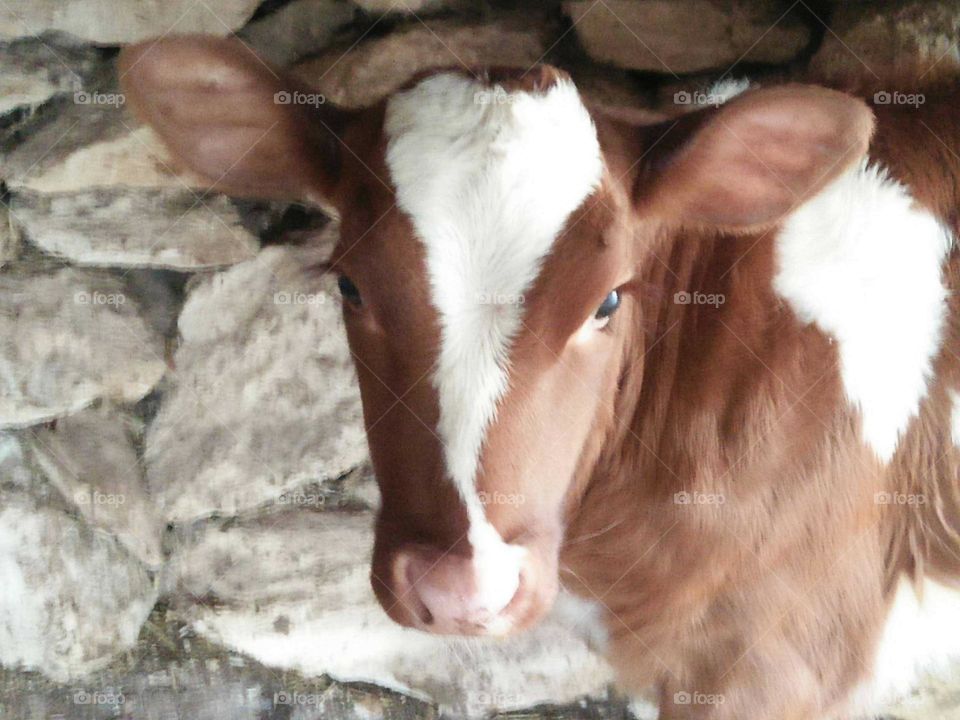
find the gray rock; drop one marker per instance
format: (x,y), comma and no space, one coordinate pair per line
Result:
(681,36)
(871,44)
(159,293)
(32,71)
(167,228)
(93,187)
(298,29)
(93,144)
(301,580)
(91,459)
(937,699)
(68,338)
(71,597)
(115,22)
(362,75)
(264,396)
(383,7)
(9,238)
(16,475)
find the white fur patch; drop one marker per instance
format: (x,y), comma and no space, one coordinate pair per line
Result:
(725,90)
(919,640)
(863,262)
(584,618)
(955,417)
(488,179)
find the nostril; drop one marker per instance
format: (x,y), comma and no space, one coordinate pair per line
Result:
(408,572)
(414,575)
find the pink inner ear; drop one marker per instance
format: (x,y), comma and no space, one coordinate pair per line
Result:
(213,103)
(754,160)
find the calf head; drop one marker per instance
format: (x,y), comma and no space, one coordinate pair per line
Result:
(492,231)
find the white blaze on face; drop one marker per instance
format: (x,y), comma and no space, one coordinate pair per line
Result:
(488,179)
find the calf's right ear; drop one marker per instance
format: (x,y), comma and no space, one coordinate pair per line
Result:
(744,166)
(245,127)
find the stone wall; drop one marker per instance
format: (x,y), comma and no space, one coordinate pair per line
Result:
(185,502)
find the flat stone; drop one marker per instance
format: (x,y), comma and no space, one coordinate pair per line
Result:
(116,22)
(264,396)
(16,474)
(384,7)
(683,36)
(93,146)
(372,70)
(298,29)
(33,71)
(293,591)
(9,238)
(68,338)
(91,459)
(938,698)
(71,597)
(871,43)
(167,228)
(611,89)
(94,188)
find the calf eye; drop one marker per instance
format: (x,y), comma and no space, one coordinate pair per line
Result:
(348,291)
(609,306)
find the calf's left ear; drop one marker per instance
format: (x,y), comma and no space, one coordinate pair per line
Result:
(247,128)
(745,165)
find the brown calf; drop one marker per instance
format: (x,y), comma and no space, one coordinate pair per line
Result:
(699,372)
